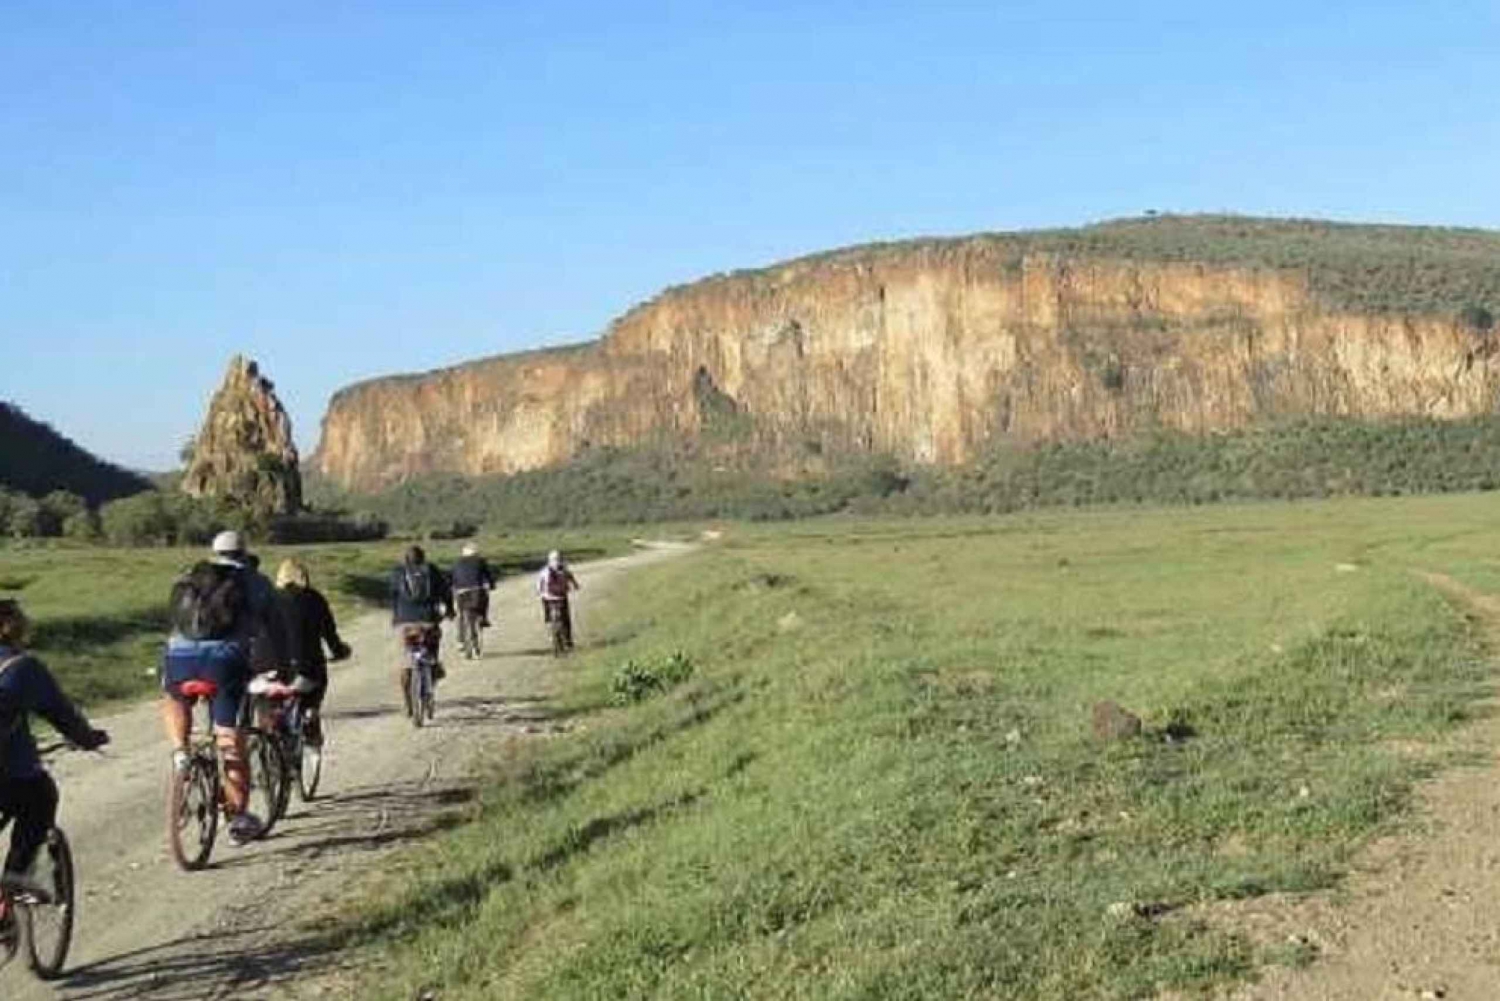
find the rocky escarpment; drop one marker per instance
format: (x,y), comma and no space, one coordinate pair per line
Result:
(933,351)
(244,452)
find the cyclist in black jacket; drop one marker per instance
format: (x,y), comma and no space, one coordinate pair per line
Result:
(473,580)
(28,796)
(308,625)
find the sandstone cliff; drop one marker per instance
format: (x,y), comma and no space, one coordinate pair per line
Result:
(930,351)
(244,451)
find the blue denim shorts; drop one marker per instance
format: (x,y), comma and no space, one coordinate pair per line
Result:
(225,664)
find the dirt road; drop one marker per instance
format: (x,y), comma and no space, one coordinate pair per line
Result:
(147,930)
(1417,918)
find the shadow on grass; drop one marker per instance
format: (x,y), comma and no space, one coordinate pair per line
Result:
(69,633)
(218,964)
(448,901)
(551,780)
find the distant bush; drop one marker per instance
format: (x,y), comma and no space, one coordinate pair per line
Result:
(1315,458)
(314,526)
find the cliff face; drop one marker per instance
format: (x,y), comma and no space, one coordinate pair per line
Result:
(244,452)
(928,351)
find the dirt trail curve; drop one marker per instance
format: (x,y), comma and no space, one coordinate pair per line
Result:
(147,930)
(1420,916)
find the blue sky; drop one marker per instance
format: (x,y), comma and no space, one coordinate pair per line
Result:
(346,190)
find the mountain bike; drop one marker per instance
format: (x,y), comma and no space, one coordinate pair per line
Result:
(195,797)
(417,681)
(470,630)
(293,725)
(42,919)
(556,613)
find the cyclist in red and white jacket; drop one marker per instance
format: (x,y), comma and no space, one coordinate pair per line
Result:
(553,585)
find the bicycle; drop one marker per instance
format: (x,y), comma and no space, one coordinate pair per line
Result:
(43,919)
(290,721)
(196,794)
(418,680)
(556,614)
(470,631)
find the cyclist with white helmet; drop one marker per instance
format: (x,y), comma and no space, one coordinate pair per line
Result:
(553,585)
(220,609)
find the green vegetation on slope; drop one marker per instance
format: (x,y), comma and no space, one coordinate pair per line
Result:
(35,460)
(879,781)
(1322,458)
(101,613)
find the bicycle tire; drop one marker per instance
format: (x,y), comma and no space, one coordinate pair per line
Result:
(309,771)
(416,704)
(193,798)
(270,786)
(47,960)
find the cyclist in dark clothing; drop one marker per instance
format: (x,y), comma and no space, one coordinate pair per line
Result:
(28,796)
(308,625)
(473,580)
(420,598)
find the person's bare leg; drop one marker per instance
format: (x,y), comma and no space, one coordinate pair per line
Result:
(177,719)
(231,741)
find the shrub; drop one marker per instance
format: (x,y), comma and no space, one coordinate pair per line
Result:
(636,681)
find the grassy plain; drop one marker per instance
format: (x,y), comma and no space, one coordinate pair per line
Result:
(100,612)
(880,781)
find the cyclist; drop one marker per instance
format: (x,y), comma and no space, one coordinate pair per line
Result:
(420,599)
(553,585)
(473,580)
(28,796)
(309,626)
(220,609)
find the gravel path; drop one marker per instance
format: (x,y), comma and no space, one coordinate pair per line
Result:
(148,930)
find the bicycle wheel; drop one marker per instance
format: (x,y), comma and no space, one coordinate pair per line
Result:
(310,771)
(193,813)
(47,925)
(416,702)
(270,783)
(476,635)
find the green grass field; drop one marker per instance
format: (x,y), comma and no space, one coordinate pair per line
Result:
(100,613)
(880,780)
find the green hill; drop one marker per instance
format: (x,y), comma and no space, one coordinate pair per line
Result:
(36,460)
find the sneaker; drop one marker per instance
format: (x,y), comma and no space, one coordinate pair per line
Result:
(244,828)
(181,761)
(24,886)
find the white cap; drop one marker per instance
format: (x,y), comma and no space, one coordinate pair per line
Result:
(228,543)
(554,559)
(469,549)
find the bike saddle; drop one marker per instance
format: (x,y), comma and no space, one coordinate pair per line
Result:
(197,689)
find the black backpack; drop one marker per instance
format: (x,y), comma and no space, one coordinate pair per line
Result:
(416,581)
(207,601)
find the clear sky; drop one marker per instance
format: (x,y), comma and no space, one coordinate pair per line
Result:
(344,190)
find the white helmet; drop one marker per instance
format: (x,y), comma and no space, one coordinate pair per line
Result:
(554,559)
(229,543)
(469,549)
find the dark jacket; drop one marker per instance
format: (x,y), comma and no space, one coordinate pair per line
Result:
(406,609)
(472,571)
(308,624)
(26,686)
